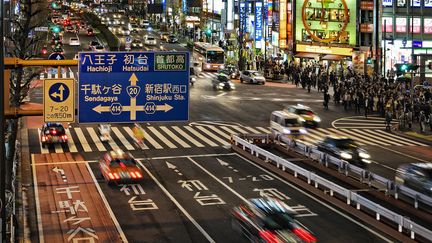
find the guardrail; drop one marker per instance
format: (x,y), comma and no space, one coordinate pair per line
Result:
(352,197)
(363,175)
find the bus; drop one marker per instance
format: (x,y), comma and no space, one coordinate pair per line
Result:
(211,56)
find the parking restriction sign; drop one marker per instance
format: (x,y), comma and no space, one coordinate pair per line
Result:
(59,100)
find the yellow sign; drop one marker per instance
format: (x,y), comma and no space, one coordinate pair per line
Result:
(59,100)
(343,51)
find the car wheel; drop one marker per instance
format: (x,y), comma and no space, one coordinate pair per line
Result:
(241,80)
(263,83)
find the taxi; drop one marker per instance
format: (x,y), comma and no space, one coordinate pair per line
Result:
(311,119)
(119,166)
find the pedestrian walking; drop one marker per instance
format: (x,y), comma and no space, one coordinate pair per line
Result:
(422,120)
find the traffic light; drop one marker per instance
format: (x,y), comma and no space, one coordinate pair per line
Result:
(44,50)
(55,29)
(402,68)
(369,60)
(208,32)
(54,5)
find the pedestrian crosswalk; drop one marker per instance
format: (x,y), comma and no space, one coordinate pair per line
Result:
(361,122)
(208,74)
(66,73)
(86,138)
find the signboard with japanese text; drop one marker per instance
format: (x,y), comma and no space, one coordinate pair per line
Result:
(427,26)
(258,21)
(427,3)
(119,87)
(242,20)
(59,100)
(387,3)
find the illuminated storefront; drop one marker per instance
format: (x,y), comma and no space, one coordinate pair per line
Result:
(325,28)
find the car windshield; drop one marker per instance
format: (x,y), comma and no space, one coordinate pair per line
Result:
(99,47)
(94,43)
(278,221)
(127,162)
(215,57)
(292,122)
(304,112)
(347,143)
(150,38)
(255,74)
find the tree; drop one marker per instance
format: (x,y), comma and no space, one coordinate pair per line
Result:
(21,42)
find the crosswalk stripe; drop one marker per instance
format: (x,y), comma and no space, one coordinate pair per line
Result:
(82,139)
(212,135)
(58,148)
(263,129)
(398,142)
(220,132)
(96,139)
(130,133)
(358,140)
(43,150)
(204,139)
(113,144)
(231,132)
(71,143)
(320,132)
(153,142)
(364,121)
(401,138)
(252,130)
(185,135)
(161,137)
(176,138)
(122,138)
(311,134)
(354,135)
(240,129)
(374,138)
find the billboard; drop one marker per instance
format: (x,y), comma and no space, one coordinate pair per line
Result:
(329,22)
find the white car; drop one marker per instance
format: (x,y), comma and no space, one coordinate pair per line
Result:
(74,41)
(124,31)
(150,41)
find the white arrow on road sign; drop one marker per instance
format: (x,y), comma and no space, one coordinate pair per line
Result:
(165,108)
(60,94)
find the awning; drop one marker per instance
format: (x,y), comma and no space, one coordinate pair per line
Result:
(333,57)
(306,55)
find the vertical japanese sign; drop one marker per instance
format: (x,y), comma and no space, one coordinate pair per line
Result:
(283,24)
(258,21)
(242,17)
(133,87)
(269,19)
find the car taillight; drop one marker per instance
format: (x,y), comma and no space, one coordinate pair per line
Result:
(53,132)
(64,137)
(122,165)
(44,138)
(132,174)
(268,236)
(113,176)
(138,174)
(304,235)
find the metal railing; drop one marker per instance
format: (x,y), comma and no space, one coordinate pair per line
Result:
(352,197)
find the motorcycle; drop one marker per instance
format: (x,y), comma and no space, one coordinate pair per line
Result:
(105,132)
(222,82)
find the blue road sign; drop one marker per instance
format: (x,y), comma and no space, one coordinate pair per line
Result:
(128,39)
(133,87)
(56,56)
(59,92)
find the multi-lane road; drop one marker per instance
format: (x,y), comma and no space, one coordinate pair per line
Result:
(192,179)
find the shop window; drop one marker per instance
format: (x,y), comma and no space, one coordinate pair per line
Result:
(401,3)
(401,25)
(389,24)
(387,3)
(416,26)
(427,26)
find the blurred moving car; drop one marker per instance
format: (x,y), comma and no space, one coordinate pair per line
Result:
(144,23)
(417,176)
(344,148)
(104,132)
(90,32)
(124,31)
(164,36)
(74,41)
(118,166)
(287,124)
(251,76)
(222,82)
(92,44)
(150,41)
(134,28)
(57,49)
(269,220)
(70,29)
(311,119)
(52,133)
(172,39)
(231,70)
(98,48)
(137,43)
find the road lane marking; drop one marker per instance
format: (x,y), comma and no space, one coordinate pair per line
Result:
(359,140)
(189,138)
(383,137)
(179,206)
(238,128)
(226,136)
(161,137)
(355,221)
(372,137)
(122,138)
(130,133)
(231,132)
(252,130)
(82,139)
(105,201)
(38,209)
(71,143)
(58,148)
(212,135)
(175,137)
(95,139)
(401,138)
(204,139)
(43,150)
(263,129)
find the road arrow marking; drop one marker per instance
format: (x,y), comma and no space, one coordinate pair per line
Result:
(173,167)
(223,163)
(61,172)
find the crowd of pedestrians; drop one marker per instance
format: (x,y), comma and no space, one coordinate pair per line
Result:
(366,94)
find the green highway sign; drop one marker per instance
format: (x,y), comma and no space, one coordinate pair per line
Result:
(170,62)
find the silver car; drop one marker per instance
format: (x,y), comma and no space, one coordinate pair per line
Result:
(417,176)
(250,76)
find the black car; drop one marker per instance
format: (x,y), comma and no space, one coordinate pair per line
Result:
(53,133)
(417,176)
(57,49)
(222,82)
(344,148)
(231,70)
(269,220)
(56,40)
(172,39)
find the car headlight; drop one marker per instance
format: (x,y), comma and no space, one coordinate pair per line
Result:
(346,155)
(317,119)
(221,84)
(364,155)
(286,131)
(208,66)
(222,66)
(302,131)
(301,119)
(193,79)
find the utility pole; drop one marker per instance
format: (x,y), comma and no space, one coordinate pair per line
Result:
(2,132)
(385,50)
